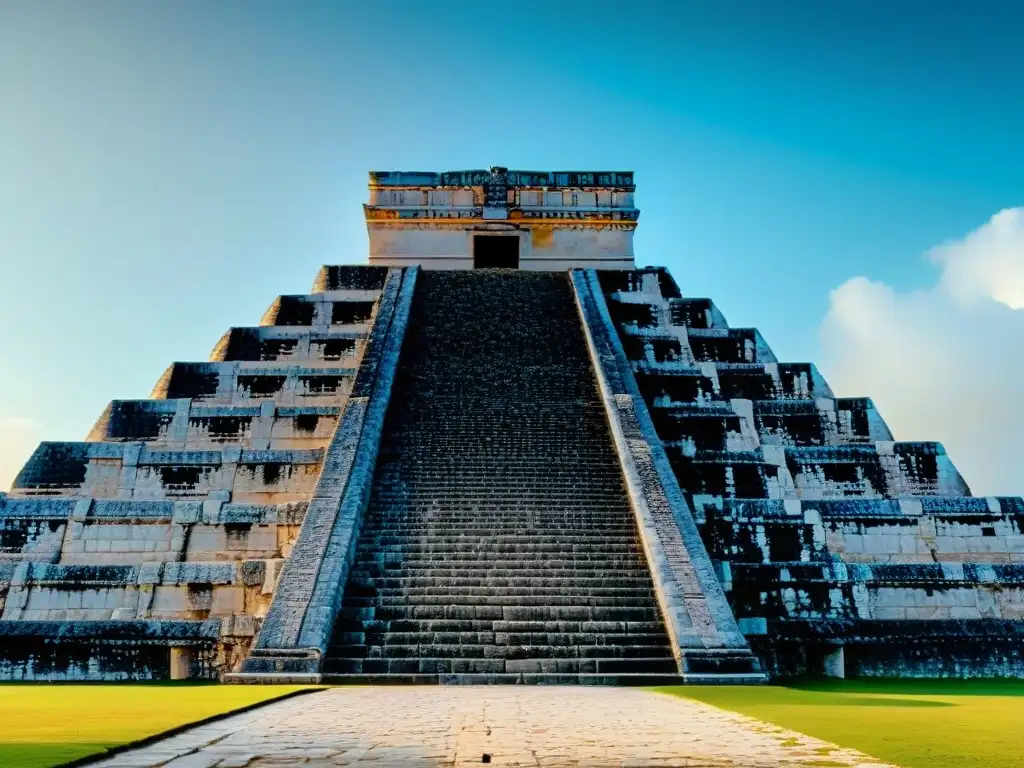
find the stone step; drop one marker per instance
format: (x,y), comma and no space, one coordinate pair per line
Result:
(505,679)
(498,504)
(519,488)
(428,453)
(505,571)
(551,601)
(739,678)
(370,570)
(391,538)
(719,661)
(427,517)
(428,544)
(515,491)
(428,547)
(463,458)
(665,665)
(466,558)
(483,430)
(522,478)
(547,532)
(451,536)
(505,612)
(443,461)
(572,507)
(604,484)
(511,626)
(505,510)
(444,468)
(496,500)
(471,559)
(371,588)
(582,519)
(565,501)
(558,584)
(496,453)
(501,651)
(537,529)
(543,565)
(599,639)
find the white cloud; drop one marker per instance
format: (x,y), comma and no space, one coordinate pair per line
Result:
(945,363)
(988,264)
(18,439)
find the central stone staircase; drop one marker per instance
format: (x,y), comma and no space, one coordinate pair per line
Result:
(499,544)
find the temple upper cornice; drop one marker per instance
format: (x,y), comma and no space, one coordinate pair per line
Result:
(574,198)
(619,180)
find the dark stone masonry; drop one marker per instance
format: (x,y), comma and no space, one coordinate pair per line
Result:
(563,471)
(498,544)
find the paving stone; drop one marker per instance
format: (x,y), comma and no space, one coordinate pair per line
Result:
(563,726)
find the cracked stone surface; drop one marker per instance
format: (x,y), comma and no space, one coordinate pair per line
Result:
(516,726)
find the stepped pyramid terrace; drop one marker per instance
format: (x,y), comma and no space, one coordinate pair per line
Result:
(500,452)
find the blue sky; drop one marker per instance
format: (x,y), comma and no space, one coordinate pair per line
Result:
(166,169)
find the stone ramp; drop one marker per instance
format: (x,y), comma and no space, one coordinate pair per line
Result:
(515,726)
(499,544)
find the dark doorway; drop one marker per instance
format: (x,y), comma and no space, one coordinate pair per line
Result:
(495,252)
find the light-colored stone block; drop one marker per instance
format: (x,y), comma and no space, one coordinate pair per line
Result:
(227,601)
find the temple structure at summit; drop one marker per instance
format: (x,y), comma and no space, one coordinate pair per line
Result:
(501,452)
(502,219)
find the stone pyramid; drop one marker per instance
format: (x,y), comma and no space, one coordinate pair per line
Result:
(501,453)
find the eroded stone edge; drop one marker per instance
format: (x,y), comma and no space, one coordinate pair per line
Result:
(696,612)
(297,628)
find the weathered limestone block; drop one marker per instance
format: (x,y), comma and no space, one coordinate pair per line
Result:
(350,277)
(194,480)
(355,311)
(879,592)
(169,602)
(273,482)
(104,650)
(338,344)
(103,542)
(303,427)
(243,383)
(204,427)
(227,601)
(232,542)
(31,539)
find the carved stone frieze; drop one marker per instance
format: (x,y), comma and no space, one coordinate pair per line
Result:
(622,180)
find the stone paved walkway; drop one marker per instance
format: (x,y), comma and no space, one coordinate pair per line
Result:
(515,726)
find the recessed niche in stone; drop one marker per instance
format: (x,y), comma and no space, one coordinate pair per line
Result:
(495,252)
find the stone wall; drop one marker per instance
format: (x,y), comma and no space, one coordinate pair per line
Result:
(542,246)
(707,642)
(109,650)
(826,533)
(173,520)
(293,640)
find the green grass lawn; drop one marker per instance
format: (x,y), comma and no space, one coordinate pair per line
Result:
(43,725)
(915,724)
